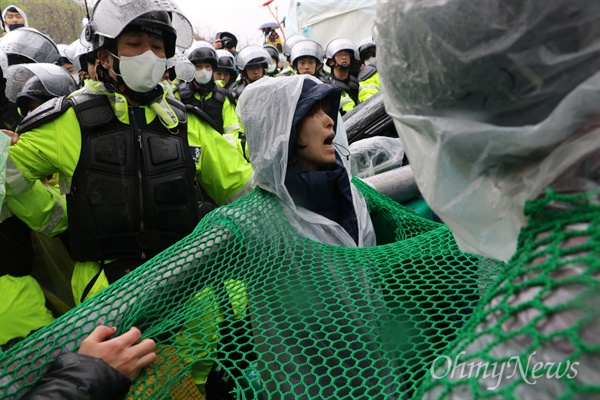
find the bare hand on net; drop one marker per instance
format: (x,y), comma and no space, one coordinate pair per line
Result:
(14,137)
(123,352)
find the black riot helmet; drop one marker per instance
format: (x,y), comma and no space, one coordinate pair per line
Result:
(39,82)
(204,55)
(32,90)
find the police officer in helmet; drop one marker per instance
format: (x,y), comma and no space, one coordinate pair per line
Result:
(133,165)
(209,99)
(252,62)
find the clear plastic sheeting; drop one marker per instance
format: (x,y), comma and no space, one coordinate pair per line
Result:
(326,20)
(374,155)
(494,105)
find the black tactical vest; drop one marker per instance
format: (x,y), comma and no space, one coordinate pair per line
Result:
(351,87)
(134,192)
(213,106)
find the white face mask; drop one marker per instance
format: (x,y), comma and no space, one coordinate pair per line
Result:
(203,76)
(271,68)
(370,61)
(143,72)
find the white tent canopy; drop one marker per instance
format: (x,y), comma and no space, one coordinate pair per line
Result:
(325,20)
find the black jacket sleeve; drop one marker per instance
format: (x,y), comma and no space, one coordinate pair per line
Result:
(79,377)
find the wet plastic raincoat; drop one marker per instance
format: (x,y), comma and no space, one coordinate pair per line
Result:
(266,109)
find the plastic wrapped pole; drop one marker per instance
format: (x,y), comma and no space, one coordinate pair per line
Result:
(398,184)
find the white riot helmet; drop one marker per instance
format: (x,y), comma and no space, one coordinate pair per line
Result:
(253,55)
(77,52)
(28,45)
(159,17)
(366,47)
(290,42)
(306,48)
(340,44)
(62,47)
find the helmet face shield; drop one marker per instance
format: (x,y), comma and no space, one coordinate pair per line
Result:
(366,47)
(226,61)
(340,44)
(307,48)
(272,50)
(290,42)
(54,80)
(163,17)
(253,55)
(31,44)
(184,69)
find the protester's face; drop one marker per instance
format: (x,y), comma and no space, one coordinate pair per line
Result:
(12,18)
(307,65)
(314,143)
(221,76)
(254,72)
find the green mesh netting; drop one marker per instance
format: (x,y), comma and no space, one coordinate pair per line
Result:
(270,314)
(536,332)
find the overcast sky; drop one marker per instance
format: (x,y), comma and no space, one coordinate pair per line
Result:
(240,17)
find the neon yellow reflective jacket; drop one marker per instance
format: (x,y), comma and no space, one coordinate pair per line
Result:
(368,87)
(55,147)
(287,71)
(346,103)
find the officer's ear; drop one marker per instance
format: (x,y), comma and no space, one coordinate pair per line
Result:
(105,58)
